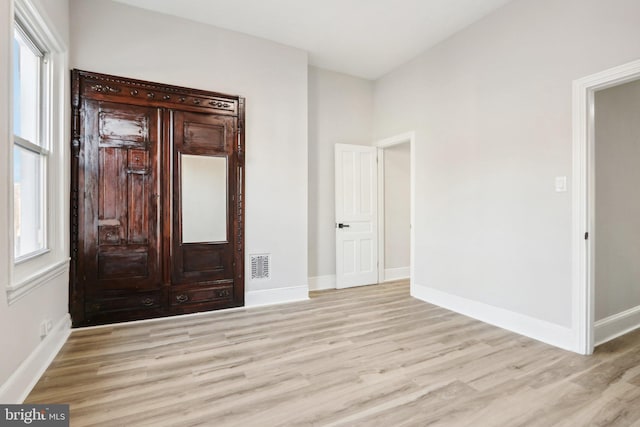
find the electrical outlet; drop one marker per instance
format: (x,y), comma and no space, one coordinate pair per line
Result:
(43,329)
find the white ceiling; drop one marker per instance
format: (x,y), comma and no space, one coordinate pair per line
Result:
(364,38)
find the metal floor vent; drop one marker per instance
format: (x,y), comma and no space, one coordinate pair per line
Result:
(260,265)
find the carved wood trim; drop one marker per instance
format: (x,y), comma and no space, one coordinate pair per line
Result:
(105,89)
(76,294)
(239,253)
(157,95)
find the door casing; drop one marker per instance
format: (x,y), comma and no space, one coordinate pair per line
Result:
(404,138)
(583,198)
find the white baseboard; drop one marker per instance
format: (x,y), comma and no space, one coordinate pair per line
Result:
(321,283)
(20,384)
(276,296)
(619,324)
(537,329)
(399,273)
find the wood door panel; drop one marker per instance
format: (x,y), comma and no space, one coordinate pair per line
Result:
(138,207)
(208,258)
(111,180)
(128,128)
(130,264)
(206,135)
(125,235)
(109,235)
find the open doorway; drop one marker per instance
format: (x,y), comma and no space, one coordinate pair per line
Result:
(606,229)
(617,211)
(395,207)
(360,213)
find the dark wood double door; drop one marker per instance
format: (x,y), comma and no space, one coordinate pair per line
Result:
(152,165)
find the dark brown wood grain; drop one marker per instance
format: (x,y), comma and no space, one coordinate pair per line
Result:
(128,259)
(202,134)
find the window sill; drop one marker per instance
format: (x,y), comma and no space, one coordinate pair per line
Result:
(31,256)
(33,282)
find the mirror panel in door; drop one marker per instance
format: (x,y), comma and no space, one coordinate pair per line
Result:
(204,198)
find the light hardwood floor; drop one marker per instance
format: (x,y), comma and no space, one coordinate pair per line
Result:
(369,356)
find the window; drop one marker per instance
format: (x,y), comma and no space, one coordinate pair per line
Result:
(36,154)
(30,151)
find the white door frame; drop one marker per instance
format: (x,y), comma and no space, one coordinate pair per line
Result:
(408,137)
(584,196)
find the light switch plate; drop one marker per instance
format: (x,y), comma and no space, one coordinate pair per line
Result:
(561,184)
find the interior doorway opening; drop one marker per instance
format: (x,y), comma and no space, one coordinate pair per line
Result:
(396,207)
(585,225)
(617,211)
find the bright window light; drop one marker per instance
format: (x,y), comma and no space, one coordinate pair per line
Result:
(29,151)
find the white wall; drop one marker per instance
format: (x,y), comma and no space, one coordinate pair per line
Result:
(22,349)
(116,39)
(340,111)
(491,107)
(397,206)
(617,216)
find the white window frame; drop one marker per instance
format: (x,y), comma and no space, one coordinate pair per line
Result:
(42,143)
(37,269)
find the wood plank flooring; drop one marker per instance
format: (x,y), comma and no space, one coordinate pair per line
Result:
(370,356)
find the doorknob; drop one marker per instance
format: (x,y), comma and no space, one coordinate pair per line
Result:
(341,225)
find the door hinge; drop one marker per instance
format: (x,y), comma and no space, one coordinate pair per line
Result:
(586,236)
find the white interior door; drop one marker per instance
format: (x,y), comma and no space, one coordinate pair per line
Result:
(356,215)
